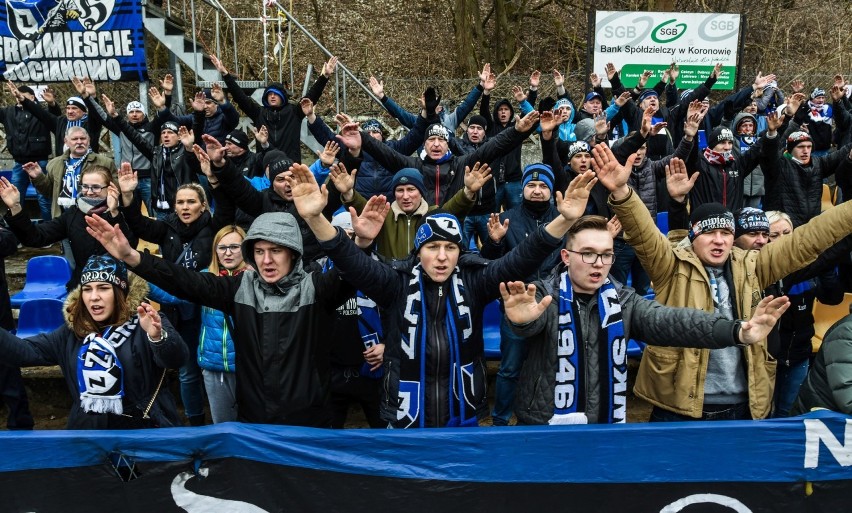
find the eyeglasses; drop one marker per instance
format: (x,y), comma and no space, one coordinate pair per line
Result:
(590,257)
(94,188)
(232,248)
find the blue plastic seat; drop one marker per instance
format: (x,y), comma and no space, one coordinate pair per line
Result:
(46,279)
(663,222)
(39,316)
(491,330)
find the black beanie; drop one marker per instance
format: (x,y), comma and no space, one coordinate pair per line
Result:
(719,134)
(710,216)
(277,161)
(478,120)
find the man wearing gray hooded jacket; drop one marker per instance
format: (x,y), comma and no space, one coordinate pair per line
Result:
(283,317)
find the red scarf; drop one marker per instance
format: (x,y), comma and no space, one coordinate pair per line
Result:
(716,158)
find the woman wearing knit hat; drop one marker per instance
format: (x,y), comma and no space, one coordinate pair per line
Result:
(113,350)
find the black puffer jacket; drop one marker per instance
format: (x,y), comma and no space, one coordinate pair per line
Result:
(643,319)
(283,123)
(796,189)
(282,331)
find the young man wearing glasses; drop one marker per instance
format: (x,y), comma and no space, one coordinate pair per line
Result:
(577,323)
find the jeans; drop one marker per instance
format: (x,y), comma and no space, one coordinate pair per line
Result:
(625,263)
(144,190)
(512,356)
(788,380)
(509,195)
(475,226)
(221,390)
(191,393)
(15,396)
(711,412)
(21,180)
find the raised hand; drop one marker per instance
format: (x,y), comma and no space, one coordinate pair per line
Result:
(369,224)
(109,106)
(309,198)
(774,121)
(535,79)
(520,304)
(656,128)
(678,181)
(613,227)
(797,85)
(112,199)
(643,78)
(127,179)
(378,87)
(168,83)
(49,95)
(483,75)
(674,72)
(157,99)
(572,205)
(666,75)
(204,164)
(198,101)
(526,123)
(329,67)
(548,121)
(622,99)
(839,80)
(595,80)
(32,169)
(647,117)
(690,126)
(609,171)
(767,313)
(350,134)
(717,70)
(610,71)
(112,239)
(475,178)
(149,320)
(215,150)
(343,181)
(13,90)
(837,93)
(496,229)
(558,79)
(77,82)
(761,81)
(343,118)
(329,153)
(89,87)
(187,137)
(601,125)
(518,94)
(307,106)
(10,195)
(793,103)
(218,64)
(261,136)
(217,93)
(490,84)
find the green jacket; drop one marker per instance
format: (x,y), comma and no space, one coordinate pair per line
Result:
(396,239)
(829,381)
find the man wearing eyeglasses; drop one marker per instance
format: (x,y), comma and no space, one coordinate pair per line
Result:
(577,323)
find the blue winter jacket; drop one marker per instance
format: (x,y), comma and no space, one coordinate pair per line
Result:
(215,345)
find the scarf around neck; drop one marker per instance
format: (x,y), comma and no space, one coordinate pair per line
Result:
(462,354)
(68,189)
(100,374)
(820,113)
(718,158)
(568,383)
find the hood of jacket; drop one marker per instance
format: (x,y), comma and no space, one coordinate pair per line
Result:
(499,104)
(278,86)
(278,228)
(739,119)
(137,292)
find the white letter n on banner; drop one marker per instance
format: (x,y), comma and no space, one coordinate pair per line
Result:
(816,432)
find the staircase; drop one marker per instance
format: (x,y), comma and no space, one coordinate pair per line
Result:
(172,32)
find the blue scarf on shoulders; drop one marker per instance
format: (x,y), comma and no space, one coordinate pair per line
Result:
(569,371)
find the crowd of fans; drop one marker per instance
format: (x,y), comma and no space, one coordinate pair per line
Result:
(287,292)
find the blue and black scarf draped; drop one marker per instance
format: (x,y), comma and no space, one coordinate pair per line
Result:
(463,398)
(569,371)
(100,374)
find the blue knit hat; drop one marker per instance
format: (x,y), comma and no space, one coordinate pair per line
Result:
(647,93)
(540,172)
(409,176)
(104,268)
(439,225)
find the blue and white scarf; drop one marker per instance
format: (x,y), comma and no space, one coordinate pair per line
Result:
(462,355)
(100,374)
(68,190)
(569,385)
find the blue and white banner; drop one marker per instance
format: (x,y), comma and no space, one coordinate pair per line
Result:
(54,40)
(797,465)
